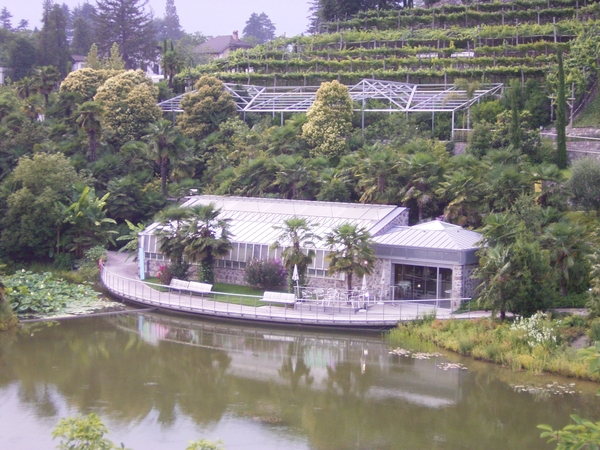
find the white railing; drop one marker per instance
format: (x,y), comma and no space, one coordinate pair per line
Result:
(354,312)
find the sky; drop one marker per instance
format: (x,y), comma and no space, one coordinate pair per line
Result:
(210,17)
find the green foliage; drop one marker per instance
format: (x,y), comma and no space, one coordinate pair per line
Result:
(583,434)
(64,261)
(537,344)
(129,100)
(86,81)
(31,293)
(179,270)
(130,26)
(204,445)
(267,274)
(351,251)
(205,109)
(82,433)
(40,185)
(296,237)
(585,183)
(259,28)
(329,121)
(561,116)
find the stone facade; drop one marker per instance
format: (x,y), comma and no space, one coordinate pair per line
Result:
(463,283)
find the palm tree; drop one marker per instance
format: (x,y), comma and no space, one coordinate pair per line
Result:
(423,173)
(351,251)
(164,142)
(296,235)
(89,116)
(171,240)
(376,172)
(46,79)
(495,271)
(206,237)
(171,62)
(25,87)
(564,241)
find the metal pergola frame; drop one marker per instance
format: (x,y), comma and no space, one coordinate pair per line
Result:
(400,97)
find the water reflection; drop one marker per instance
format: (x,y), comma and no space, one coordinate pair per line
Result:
(159,381)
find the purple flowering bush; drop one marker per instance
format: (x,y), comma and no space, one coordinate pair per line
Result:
(267,274)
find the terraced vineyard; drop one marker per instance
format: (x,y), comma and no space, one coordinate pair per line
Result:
(489,42)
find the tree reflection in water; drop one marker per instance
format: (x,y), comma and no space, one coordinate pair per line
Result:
(333,391)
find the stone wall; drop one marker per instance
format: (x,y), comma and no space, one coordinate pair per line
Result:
(463,283)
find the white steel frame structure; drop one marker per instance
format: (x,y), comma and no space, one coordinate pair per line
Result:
(400,97)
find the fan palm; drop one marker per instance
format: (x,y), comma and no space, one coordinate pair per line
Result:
(296,237)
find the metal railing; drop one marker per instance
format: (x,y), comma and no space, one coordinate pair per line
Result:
(355,312)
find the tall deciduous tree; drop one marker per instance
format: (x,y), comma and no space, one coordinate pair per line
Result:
(561,115)
(329,121)
(351,251)
(129,100)
(127,23)
(205,109)
(259,29)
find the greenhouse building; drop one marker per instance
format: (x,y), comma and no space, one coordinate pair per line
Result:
(432,260)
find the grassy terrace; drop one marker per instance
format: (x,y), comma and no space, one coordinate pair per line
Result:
(226,293)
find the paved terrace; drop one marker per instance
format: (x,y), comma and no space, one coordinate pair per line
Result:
(120,277)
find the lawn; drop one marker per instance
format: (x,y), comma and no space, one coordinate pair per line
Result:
(237,293)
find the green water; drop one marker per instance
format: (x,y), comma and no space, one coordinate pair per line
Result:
(159,382)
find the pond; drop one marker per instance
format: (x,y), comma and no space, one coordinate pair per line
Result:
(160,381)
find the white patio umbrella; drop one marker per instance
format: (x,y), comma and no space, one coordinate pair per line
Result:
(364,283)
(296,278)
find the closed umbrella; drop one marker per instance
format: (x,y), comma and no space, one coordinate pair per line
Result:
(364,283)
(296,278)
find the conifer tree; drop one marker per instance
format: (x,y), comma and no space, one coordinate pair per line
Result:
(53,48)
(171,28)
(5,19)
(127,23)
(561,116)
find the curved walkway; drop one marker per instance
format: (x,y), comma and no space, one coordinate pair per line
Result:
(121,279)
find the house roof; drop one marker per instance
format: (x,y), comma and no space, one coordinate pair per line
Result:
(253,219)
(434,235)
(219,44)
(78,58)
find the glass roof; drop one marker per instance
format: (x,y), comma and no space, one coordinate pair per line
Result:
(400,97)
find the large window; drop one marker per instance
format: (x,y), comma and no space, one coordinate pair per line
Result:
(421,282)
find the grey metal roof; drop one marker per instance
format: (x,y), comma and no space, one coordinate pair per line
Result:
(219,44)
(434,235)
(253,219)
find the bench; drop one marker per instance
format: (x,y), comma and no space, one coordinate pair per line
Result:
(192,286)
(279,297)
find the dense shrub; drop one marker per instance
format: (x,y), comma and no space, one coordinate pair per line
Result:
(266,274)
(164,275)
